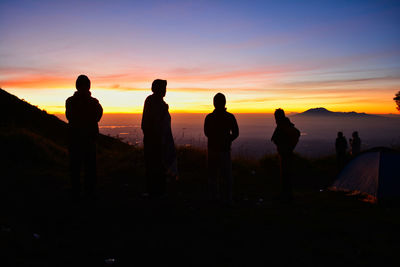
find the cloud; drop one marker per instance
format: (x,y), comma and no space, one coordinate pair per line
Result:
(342,81)
(198,78)
(36,82)
(255,100)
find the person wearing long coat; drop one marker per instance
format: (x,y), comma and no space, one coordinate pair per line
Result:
(159,147)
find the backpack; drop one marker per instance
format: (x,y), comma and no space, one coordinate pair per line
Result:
(293,135)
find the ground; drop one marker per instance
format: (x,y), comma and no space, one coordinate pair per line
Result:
(41,226)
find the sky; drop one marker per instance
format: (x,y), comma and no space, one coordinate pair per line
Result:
(263,55)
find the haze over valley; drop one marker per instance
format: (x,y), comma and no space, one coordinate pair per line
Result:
(318,131)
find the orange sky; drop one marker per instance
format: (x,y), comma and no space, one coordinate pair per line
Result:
(247,91)
(368,96)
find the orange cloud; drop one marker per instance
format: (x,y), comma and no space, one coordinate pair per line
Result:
(37,81)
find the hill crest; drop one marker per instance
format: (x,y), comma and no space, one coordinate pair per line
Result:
(19,114)
(320,111)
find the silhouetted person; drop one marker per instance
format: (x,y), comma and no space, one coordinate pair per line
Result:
(83,112)
(355,144)
(221,129)
(341,148)
(285,137)
(159,147)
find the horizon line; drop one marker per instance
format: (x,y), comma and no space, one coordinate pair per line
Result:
(183,112)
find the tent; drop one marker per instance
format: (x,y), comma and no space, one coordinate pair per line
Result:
(375,172)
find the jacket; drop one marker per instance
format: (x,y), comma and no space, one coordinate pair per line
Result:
(221,129)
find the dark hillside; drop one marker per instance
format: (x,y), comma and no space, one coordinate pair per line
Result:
(34,151)
(17,113)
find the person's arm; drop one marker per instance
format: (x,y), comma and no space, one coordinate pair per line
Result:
(275,136)
(99,110)
(68,110)
(145,116)
(207,126)
(235,129)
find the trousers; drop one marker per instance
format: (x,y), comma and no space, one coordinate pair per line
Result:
(220,180)
(82,155)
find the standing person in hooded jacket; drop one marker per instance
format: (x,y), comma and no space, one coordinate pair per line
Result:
(221,129)
(285,137)
(159,147)
(83,113)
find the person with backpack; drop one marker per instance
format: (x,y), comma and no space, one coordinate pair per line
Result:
(285,137)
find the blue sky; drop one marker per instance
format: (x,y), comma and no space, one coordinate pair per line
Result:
(250,49)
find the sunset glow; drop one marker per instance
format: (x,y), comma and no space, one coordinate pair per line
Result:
(341,56)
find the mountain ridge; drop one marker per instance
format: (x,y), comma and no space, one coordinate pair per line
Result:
(323,112)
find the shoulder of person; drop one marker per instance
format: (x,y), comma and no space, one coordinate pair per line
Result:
(165,104)
(69,100)
(94,100)
(209,116)
(148,98)
(230,115)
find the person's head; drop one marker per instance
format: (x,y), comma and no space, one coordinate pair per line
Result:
(219,101)
(279,115)
(82,83)
(159,87)
(355,134)
(339,134)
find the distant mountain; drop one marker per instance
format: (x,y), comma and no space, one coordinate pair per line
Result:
(323,112)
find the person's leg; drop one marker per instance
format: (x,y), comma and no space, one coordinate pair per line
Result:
(155,178)
(286,176)
(75,163)
(161,181)
(226,175)
(90,169)
(149,169)
(158,177)
(213,187)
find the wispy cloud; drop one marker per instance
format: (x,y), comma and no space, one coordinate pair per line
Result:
(341,82)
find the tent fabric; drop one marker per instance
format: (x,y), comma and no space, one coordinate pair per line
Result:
(375,172)
(389,184)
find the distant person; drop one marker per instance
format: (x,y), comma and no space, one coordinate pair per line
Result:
(341,149)
(83,112)
(285,137)
(355,144)
(221,129)
(159,147)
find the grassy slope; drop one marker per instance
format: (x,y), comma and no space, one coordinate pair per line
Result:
(321,228)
